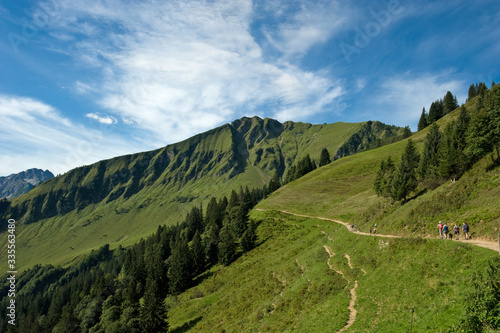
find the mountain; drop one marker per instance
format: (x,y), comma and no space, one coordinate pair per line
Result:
(19,183)
(121,200)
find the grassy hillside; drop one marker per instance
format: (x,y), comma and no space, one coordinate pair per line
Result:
(344,190)
(121,200)
(286,283)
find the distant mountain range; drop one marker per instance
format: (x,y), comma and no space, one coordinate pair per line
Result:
(19,183)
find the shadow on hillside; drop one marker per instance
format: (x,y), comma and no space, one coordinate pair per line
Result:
(493,165)
(202,277)
(187,326)
(419,193)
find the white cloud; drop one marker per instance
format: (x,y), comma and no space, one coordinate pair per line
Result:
(35,135)
(82,88)
(314,23)
(108,120)
(177,68)
(403,96)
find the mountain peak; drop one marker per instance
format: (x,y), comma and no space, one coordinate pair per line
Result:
(19,183)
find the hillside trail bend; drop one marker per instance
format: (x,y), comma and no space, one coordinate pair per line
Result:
(477,242)
(352,302)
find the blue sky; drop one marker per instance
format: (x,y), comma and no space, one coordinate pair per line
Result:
(85,80)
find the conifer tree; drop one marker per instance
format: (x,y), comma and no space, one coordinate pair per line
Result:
(213,214)
(429,164)
(422,123)
(383,180)
(449,103)
(198,254)
(482,90)
(211,245)
(472,92)
(480,138)
(324,157)
(249,237)
(274,183)
(227,246)
(492,105)
(234,200)
(180,267)
(405,177)
(153,312)
(435,111)
(453,158)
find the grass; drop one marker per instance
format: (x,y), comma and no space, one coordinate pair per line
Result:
(344,190)
(285,283)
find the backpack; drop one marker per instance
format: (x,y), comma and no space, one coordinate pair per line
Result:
(445,228)
(440,226)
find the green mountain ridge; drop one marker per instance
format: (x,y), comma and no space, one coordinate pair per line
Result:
(120,200)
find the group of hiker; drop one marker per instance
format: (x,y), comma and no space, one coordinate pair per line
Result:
(445,232)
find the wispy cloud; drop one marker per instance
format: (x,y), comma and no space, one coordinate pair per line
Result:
(311,24)
(103,120)
(35,134)
(402,97)
(181,67)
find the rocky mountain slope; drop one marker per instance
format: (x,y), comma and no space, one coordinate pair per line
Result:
(19,183)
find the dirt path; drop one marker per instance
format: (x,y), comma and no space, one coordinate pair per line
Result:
(481,243)
(352,311)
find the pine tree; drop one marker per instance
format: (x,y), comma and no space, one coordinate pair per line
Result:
(480,138)
(453,158)
(383,180)
(472,92)
(422,123)
(211,243)
(153,312)
(492,105)
(180,267)
(198,254)
(449,103)
(324,157)
(482,90)
(227,246)
(274,183)
(429,164)
(405,177)
(435,111)
(249,237)
(290,174)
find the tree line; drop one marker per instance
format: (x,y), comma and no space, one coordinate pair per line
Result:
(123,290)
(447,154)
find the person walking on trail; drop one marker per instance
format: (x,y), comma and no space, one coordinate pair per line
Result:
(465,229)
(440,228)
(445,230)
(456,229)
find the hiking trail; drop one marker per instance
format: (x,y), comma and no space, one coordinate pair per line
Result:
(477,242)
(352,310)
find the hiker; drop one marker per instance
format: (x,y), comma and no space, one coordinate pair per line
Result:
(440,228)
(465,229)
(456,229)
(445,230)
(375,229)
(370,230)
